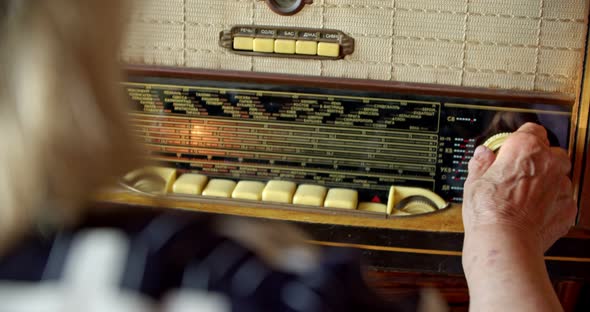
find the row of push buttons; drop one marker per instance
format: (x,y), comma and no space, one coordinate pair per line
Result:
(291,42)
(277,191)
(286,46)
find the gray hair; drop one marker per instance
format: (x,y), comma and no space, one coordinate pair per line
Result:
(63,130)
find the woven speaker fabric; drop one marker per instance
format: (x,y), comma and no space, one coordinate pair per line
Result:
(524,45)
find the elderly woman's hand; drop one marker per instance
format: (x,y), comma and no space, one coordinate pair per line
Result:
(524,189)
(516,205)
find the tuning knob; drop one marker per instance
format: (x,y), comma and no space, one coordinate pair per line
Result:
(287,7)
(495,142)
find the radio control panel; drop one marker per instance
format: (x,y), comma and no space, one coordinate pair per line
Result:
(358,143)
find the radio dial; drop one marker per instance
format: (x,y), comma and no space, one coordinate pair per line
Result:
(495,142)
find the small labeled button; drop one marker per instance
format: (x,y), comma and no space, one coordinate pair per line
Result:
(306,47)
(285,46)
(265,45)
(244,43)
(328,49)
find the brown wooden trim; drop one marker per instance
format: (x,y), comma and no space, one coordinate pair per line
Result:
(447,220)
(389,248)
(584,190)
(383,248)
(581,168)
(441,231)
(568,293)
(359,84)
(431,251)
(392,285)
(579,233)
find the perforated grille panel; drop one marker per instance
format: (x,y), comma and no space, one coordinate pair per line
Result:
(524,45)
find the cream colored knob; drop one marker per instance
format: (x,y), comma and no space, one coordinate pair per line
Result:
(151,179)
(495,142)
(418,207)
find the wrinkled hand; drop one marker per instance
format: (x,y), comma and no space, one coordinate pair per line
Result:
(524,188)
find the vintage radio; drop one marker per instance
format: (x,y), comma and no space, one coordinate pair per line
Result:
(354,119)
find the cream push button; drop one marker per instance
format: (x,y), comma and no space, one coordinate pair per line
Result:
(251,190)
(279,191)
(265,45)
(190,183)
(341,198)
(375,207)
(219,188)
(285,46)
(328,49)
(306,47)
(244,43)
(309,194)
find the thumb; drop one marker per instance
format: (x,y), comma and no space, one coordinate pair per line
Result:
(482,159)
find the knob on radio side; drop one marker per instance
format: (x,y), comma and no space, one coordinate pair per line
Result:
(495,141)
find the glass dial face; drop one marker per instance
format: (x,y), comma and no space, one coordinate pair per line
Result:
(287,4)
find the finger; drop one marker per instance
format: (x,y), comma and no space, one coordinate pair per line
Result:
(482,159)
(536,130)
(561,160)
